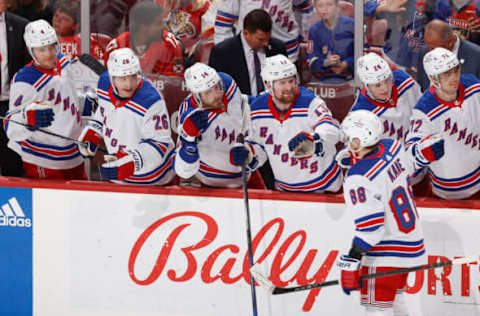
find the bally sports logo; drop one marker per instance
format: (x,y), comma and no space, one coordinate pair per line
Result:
(12,215)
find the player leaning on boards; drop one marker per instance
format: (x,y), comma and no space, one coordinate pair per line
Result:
(295,131)
(42,95)
(378,196)
(450,107)
(132,120)
(210,122)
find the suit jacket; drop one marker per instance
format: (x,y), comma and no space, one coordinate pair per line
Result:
(467,51)
(228,57)
(18,55)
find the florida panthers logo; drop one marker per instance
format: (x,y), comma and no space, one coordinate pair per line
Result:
(178,23)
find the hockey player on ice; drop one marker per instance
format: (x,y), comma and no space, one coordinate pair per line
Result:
(295,131)
(210,123)
(42,95)
(133,121)
(378,196)
(450,108)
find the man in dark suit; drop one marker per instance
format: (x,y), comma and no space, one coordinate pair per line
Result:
(14,56)
(440,34)
(241,56)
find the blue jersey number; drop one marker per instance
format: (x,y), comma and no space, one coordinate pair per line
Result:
(403,209)
(358,195)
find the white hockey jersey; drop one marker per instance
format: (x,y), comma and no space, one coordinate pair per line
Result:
(291,19)
(140,123)
(378,194)
(214,145)
(32,84)
(457,174)
(271,130)
(395,113)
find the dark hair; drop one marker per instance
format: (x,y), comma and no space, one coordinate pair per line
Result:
(72,8)
(257,19)
(144,13)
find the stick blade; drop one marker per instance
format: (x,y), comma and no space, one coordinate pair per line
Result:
(261,279)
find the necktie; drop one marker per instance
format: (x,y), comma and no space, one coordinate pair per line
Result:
(258,78)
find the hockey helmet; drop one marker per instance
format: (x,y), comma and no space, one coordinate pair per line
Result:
(277,67)
(365,126)
(39,33)
(200,77)
(123,62)
(439,60)
(373,69)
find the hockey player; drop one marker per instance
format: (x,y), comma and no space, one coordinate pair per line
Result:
(450,108)
(378,196)
(133,121)
(295,131)
(210,123)
(291,20)
(389,95)
(42,95)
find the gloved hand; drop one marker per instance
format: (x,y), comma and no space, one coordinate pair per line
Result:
(239,154)
(429,149)
(305,145)
(92,136)
(350,274)
(188,150)
(38,114)
(195,124)
(121,165)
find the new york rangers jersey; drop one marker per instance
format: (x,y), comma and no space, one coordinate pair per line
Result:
(379,197)
(291,19)
(271,130)
(395,113)
(32,84)
(140,123)
(456,174)
(224,127)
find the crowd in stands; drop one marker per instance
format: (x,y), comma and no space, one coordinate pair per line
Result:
(231,60)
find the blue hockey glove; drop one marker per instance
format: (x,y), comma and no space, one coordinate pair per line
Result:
(305,145)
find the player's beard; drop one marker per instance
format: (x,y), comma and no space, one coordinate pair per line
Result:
(287,96)
(214,105)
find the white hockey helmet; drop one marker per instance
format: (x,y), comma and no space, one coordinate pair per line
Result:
(439,60)
(373,69)
(365,126)
(39,33)
(200,77)
(123,62)
(277,67)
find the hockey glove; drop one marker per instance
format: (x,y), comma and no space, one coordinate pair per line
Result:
(195,124)
(241,154)
(121,165)
(38,114)
(304,145)
(429,149)
(91,136)
(188,151)
(350,274)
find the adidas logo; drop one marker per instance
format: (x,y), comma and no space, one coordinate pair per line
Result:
(12,215)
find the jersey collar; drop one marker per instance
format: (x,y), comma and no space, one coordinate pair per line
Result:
(119,102)
(281,116)
(457,103)
(391,103)
(377,153)
(56,71)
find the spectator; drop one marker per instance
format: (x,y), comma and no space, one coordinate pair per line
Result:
(192,22)
(449,109)
(330,42)
(406,22)
(42,95)
(158,50)
(32,9)
(13,56)
(66,23)
(291,19)
(439,34)
(295,131)
(132,120)
(465,19)
(210,124)
(242,55)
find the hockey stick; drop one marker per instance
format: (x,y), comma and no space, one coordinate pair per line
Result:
(92,63)
(77,142)
(245,125)
(270,287)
